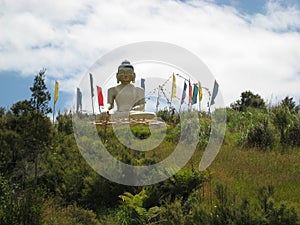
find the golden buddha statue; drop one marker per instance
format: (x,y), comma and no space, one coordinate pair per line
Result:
(127,96)
(129,99)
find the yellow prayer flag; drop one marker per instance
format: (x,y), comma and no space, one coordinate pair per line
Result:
(174,87)
(200,91)
(56,92)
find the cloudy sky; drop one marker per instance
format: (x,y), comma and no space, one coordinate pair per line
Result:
(247,45)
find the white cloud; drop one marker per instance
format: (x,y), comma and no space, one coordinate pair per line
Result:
(244,52)
(278,18)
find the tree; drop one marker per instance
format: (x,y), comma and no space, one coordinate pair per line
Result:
(287,121)
(290,104)
(248,99)
(40,97)
(21,107)
(65,122)
(2,111)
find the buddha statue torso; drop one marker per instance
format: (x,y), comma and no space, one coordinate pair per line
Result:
(127,96)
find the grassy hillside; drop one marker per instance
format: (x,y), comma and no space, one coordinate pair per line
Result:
(255,178)
(246,170)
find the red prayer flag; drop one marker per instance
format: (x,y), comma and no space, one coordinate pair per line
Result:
(100,96)
(190,93)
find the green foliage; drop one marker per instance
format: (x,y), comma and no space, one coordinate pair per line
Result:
(70,192)
(169,116)
(133,211)
(172,213)
(228,210)
(65,169)
(184,182)
(40,97)
(53,213)
(22,107)
(99,193)
(287,121)
(290,104)
(141,132)
(272,213)
(64,123)
(19,206)
(293,134)
(179,185)
(2,111)
(161,203)
(256,128)
(205,129)
(10,152)
(250,129)
(248,99)
(25,134)
(282,119)
(260,136)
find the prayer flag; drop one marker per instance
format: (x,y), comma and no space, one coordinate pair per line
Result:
(174,87)
(79,100)
(183,93)
(195,94)
(143,83)
(200,91)
(215,93)
(56,92)
(190,93)
(100,96)
(92,85)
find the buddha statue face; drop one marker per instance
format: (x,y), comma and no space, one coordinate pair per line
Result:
(125,73)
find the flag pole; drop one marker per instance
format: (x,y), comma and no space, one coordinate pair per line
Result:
(55,98)
(93,105)
(199,86)
(173,88)
(92,92)
(53,112)
(158,96)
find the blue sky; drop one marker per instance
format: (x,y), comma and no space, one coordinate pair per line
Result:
(254,6)
(14,88)
(248,45)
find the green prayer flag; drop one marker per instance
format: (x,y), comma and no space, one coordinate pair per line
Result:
(215,93)
(92,86)
(195,94)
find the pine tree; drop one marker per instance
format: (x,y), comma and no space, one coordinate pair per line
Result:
(40,99)
(40,96)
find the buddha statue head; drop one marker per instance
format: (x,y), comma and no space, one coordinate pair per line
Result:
(125,73)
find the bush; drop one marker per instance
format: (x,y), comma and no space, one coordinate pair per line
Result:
(55,214)
(260,136)
(293,135)
(275,214)
(19,206)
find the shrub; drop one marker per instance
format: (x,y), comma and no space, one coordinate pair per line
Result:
(55,214)
(260,136)
(293,135)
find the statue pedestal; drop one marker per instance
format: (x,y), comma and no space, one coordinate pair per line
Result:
(132,118)
(139,115)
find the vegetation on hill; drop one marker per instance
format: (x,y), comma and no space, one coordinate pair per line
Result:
(255,178)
